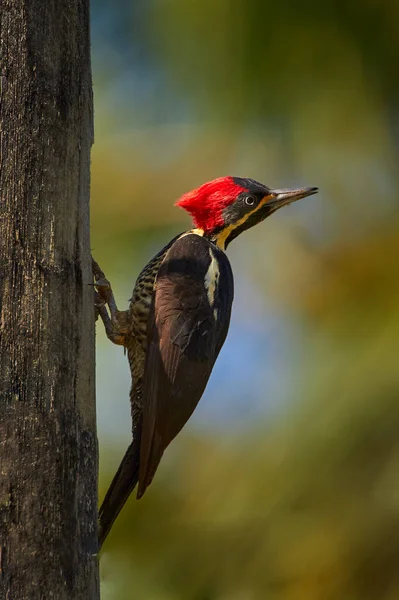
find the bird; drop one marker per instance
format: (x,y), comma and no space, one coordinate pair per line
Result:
(177,322)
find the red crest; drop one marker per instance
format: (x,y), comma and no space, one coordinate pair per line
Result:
(206,203)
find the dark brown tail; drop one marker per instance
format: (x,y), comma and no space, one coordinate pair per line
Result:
(124,482)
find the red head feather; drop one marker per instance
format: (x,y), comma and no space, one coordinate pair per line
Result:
(206,203)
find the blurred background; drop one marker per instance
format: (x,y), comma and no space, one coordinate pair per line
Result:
(285,483)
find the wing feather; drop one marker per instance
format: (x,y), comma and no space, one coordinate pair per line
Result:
(184,339)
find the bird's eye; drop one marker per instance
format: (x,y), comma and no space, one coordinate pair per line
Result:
(250,200)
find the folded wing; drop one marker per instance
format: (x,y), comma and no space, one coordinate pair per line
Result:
(188,324)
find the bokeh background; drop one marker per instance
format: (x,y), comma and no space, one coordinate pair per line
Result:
(285,483)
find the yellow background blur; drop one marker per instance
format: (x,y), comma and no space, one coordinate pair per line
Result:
(285,483)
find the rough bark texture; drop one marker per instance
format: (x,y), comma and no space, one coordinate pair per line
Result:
(48,445)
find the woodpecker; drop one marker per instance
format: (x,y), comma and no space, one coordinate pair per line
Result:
(177,322)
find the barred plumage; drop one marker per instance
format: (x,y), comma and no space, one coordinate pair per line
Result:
(177,323)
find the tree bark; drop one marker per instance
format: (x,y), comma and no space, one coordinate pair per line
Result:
(48,444)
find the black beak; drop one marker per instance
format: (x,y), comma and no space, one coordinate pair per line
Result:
(287,196)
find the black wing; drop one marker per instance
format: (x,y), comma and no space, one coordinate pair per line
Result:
(188,324)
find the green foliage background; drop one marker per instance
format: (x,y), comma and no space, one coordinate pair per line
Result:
(302,504)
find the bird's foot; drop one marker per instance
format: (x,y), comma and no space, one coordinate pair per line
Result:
(103,287)
(104,298)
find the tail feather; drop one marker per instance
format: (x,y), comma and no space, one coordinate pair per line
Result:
(123,483)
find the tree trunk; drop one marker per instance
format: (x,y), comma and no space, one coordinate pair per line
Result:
(48,444)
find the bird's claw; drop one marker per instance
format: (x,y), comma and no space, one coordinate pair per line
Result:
(102,283)
(103,298)
(98,273)
(99,301)
(103,291)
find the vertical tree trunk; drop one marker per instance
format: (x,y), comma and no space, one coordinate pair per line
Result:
(48,447)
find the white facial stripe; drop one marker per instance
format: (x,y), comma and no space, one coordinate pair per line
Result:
(212,278)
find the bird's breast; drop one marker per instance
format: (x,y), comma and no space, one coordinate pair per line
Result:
(140,305)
